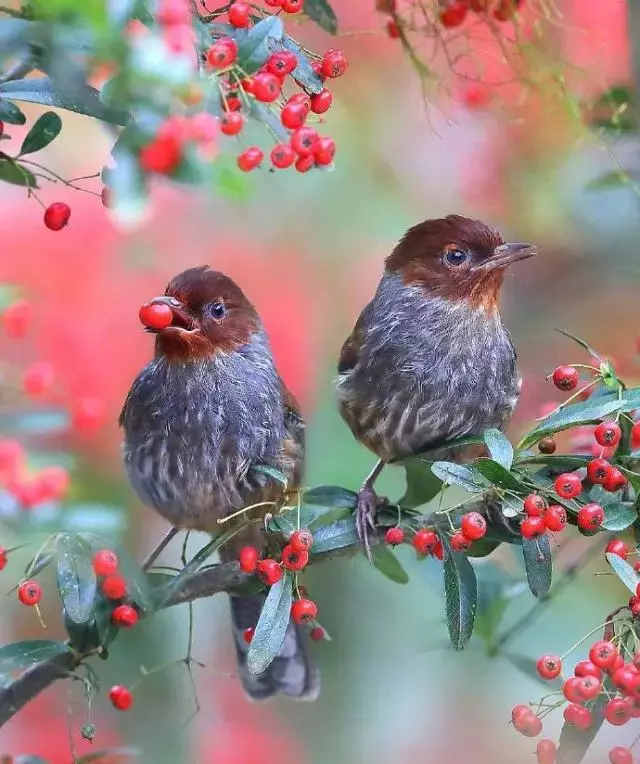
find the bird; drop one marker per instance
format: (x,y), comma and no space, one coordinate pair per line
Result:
(429,359)
(201,419)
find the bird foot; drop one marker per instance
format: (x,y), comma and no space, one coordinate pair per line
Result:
(365,515)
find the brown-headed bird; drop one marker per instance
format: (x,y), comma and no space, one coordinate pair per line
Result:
(207,410)
(429,359)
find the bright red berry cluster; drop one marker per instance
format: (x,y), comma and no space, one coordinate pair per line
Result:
(164,153)
(114,588)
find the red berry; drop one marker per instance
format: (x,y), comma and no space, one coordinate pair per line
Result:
(250,158)
(282,156)
(566,378)
(88,413)
(394,536)
(617,547)
(324,150)
(459,542)
(547,446)
(568,485)
(603,654)
(534,505)
(239,14)
(172,12)
(304,164)
(454,14)
(294,558)
(532,527)
(578,716)
(125,617)
(607,434)
(1,127)
(16,319)
(620,755)
(274,3)
(302,539)
(599,471)
(120,697)
(105,562)
(473,525)
(303,141)
(231,103)
(30,593)
(114,587)
(292,6)
(425,541)
(266,87)
(555,518)
(546,752)
(162,155)
(617,711)
(222,53)
(269,571)
(248,633)
(586,668)
(616,481)
(304,610)
(38,378)
(294,115)
(57,215)
(589,687)
(156,315)
(571,689)
(300,98)
(549,666)
(590,517)
(317,634)
(334,64)
(4,557)
(635,436)
(231,123)
(528,724)
(393,30)
(282,63)
(248,558)
(623,678)
(321,102)
(518,711)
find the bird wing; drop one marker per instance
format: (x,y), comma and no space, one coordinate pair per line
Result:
(350,352)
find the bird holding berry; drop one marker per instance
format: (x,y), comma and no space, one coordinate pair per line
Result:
(429,359)
(200,420)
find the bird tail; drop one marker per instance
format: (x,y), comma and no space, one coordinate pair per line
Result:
(291,673)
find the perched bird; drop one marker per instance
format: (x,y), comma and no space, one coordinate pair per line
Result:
(429,359)
(199,418)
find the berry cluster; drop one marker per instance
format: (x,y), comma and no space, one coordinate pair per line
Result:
(425,541)
(29,487)
(114,588)
(294,557)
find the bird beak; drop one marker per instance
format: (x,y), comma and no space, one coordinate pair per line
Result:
(181,319)
(506,254)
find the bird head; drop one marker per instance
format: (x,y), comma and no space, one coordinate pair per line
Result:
(210,315)
(457,259)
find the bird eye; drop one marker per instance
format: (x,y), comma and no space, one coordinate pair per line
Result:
(218,310)
(456,257)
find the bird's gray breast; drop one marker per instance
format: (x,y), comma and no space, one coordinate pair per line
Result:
(193,430)
(429,370)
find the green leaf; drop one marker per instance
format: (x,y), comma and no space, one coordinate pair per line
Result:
(13,172)
(583,343)
(43,131)
(19,656)
(322,13)
(567,462)
(108,756)
(105,630)
(537,564)
(319,518)
(483,547)
(266,116)
(460,594)
(499,447)
(335,536)
(253,51)
(331,496)
(497,475)
(43,90)
(617,517)
(271,472)
(388,564)
(422,484)
(272,626)
(576,414)
(76,577)
(512,506)
(457,474)
(138,585)
(304,73)
(624,571)
(10,113)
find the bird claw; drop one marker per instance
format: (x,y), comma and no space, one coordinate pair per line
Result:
(365,516)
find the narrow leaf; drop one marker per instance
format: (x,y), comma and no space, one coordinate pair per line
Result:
(457,474)
(304,73)
(388,564)
(138,586)
(253,51)
(583,343)
(512,506)
(13,172)
(335,536)
(18,656)
(460,594)
(44,130)
(497,475)
(268,117)
(272,626)
(537,564)
(320,517)
(10,113)
(322,13)
(331,496)
(624,571)
(499,447)
(76,577)
(422,484)
(617,517)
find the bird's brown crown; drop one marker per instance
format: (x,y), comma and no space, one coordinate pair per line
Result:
(456,258)
(211,315)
